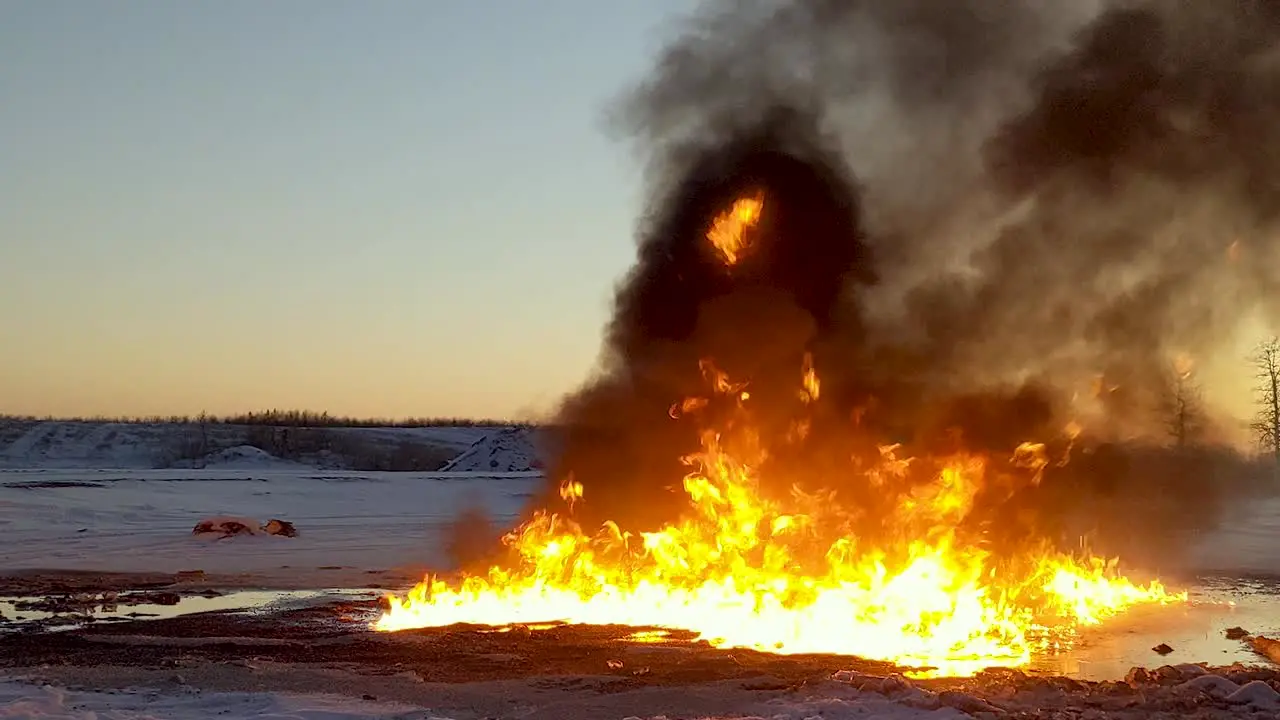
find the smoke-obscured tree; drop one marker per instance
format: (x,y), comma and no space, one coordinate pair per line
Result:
(1183,407)
(1266,424)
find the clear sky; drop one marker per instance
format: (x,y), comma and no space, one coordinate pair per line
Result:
(372,207)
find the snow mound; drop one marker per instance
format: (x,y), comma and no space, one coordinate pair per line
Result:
(509,450)
(245,457)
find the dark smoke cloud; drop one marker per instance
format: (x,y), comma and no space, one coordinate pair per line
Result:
(681,304)
(1053,200)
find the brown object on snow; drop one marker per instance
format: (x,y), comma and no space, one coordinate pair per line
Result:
(280,527)
(1266,647)
(224,526)
(1236,633)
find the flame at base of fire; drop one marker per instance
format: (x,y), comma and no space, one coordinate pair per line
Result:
(742,573)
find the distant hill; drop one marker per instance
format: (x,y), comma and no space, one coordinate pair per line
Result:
(31,443)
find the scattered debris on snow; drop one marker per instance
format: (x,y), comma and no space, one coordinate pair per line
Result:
(85,603)
(280,527)
(225,527)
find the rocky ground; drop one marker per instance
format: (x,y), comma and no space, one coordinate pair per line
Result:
(572,672)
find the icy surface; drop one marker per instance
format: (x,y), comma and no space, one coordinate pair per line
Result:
(1244,544)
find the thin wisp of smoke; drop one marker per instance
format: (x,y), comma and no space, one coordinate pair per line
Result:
(1052,202)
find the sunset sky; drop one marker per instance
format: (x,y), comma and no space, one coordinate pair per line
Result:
(377,208)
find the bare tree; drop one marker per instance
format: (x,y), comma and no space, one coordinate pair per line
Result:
(1182,406)
(1266,424)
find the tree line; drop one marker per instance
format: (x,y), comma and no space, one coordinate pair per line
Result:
(278,418)
(1184,411)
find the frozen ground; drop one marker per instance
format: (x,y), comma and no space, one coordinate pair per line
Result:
(350,524)
(24,700)
(302,691)
(31,700)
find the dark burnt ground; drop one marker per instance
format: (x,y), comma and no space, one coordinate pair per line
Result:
(43,582)
(339,633)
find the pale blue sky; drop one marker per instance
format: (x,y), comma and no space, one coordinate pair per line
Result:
(385,207)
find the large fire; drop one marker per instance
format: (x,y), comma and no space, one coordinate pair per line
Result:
(744,570)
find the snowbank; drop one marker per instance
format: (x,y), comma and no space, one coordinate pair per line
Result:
(509,450)
(242,457)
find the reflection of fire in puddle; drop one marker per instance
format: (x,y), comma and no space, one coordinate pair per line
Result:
(67,612)
(1195,631)
(649,636)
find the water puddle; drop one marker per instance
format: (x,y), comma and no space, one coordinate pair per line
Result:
(1196,632)
(64,612)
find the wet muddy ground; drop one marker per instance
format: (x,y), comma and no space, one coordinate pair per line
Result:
(320,642)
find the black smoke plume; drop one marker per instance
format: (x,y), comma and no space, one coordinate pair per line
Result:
(1053,202)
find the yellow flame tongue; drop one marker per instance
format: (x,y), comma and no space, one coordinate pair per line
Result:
(728,233)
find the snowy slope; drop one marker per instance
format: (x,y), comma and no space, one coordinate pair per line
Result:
(509,450)
(66,445)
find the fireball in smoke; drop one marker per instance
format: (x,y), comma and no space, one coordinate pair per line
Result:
(728,233)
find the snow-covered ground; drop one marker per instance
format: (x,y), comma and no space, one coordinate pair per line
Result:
(141,520)
(86,497)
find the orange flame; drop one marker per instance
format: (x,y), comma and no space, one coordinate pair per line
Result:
(745,571)
(812,386)
(728,233)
